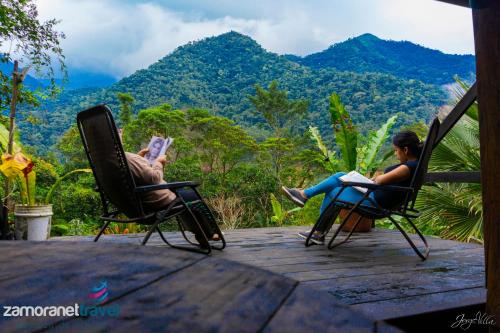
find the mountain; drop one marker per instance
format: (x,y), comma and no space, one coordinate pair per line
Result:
(80,78)
(219,73)
(368,53)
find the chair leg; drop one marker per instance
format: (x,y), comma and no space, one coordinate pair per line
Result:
(422,256)
(183,232)
(101,230)
(156,227)
(353,208)
(326,215)
(187,248)
(313,230)
(218,248)
(330,243)
(157,222)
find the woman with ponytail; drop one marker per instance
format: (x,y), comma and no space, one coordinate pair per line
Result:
(407,148)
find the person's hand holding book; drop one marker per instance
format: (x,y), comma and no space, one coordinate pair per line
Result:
(376,175)
(143,152)
(162,159)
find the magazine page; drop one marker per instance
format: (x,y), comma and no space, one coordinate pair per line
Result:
(355,176)
(166,144)
(157,146)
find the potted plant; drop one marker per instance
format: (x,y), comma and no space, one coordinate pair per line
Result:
(30,216)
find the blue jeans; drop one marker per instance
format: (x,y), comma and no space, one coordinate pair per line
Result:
(331,186)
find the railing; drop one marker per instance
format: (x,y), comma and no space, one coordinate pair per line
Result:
(453,177)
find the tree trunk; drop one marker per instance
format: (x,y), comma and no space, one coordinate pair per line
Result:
(17,78)
(6,184)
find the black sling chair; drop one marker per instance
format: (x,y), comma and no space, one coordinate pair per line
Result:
(117,188)
(406,210)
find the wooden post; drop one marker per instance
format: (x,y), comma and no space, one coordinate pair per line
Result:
(486,19)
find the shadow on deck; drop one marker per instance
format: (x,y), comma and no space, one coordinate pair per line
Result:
(376,273)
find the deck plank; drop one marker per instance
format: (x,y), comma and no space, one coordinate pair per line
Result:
(377,267)
(399,307)
(210,296)
(310,310)
(57,273)
(156,289)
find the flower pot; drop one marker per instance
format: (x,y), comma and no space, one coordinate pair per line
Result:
(36,220)
(364,225)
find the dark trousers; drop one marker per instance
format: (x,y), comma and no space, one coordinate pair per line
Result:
(327,221)
(188,195)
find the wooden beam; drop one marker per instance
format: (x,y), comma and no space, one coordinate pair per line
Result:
(463,3)
(453,177)
(486,14)
(458,111)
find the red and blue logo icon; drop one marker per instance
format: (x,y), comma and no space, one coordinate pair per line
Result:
(99,294)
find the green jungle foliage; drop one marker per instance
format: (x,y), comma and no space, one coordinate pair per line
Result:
(367,53)
(237,172)
(220,73)
(455,211)
(240,117)
(356,152)
(240,176)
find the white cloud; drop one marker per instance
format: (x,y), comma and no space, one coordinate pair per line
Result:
(119,37)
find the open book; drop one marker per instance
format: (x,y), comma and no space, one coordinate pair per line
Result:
(354,176)
(157,146)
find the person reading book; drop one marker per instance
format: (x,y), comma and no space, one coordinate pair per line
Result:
(407,148)
(146,173)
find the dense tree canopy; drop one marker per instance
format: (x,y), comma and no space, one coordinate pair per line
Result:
(220,73)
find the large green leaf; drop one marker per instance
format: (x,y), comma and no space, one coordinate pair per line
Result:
(328,154)
(4,139)
(48,197)
(277,209)
(367,154)
(346,134)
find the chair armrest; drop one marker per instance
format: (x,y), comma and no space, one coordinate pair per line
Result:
(379,187)
(166,186)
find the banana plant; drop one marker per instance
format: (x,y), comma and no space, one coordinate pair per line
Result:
(366,159)
(353,156)
(280,214)
(346,134)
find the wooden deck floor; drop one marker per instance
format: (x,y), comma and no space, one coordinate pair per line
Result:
(376,273)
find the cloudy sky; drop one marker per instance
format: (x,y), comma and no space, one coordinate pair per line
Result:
(121,36)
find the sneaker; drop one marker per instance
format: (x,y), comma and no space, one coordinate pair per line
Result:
(315,238)
(294,195)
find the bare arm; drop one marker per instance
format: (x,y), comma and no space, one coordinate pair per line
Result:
(401,173)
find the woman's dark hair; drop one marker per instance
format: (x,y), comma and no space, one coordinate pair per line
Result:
(410,140)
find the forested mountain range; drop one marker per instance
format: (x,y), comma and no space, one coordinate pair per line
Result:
(219,73)
(368,53)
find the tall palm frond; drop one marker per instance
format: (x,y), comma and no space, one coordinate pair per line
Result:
(455,210)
